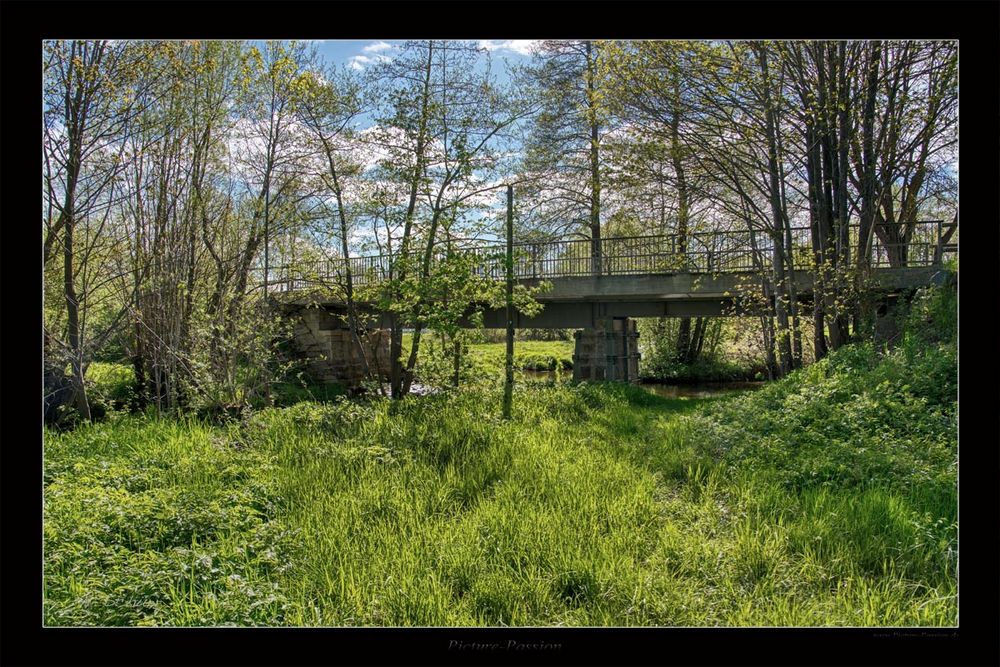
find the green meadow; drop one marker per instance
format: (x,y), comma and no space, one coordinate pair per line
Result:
(826,498)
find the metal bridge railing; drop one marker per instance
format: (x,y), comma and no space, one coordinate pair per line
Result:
(698,252)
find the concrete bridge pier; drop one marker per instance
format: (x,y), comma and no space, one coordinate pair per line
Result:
(607,351)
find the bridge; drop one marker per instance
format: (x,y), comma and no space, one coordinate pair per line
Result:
(598,286)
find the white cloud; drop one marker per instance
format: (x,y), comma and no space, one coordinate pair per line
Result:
(376,47)
(519,46)
(360,61)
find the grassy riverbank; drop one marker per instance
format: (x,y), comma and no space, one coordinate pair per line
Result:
(533,355)
(828,498)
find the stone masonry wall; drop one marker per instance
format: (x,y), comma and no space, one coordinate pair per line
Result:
(331,355)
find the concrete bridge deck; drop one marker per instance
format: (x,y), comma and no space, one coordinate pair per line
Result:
(580,301)
(577,302)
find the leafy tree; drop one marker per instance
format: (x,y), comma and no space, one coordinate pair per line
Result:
(90,102)
(648,86)
(442,125)
(331,101)
(563,166)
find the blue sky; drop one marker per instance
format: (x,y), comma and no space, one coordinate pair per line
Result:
(358,54)
(362,54)
(340,51)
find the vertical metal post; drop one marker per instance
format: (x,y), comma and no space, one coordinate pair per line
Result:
(508,384)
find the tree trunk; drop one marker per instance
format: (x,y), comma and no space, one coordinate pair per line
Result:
(843,218)
(74,111)
(425,271)
(781,296)
(683,343)
(352,311)
(869,205)
(395,352)
(830,214)
(698,339)
(79,400)
(685,346)
(595,164)
(767,328)
(398,383)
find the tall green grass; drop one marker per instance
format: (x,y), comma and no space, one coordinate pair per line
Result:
(826,499)
(528,355)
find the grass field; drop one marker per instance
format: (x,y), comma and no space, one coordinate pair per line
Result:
(532,355)
(828,498)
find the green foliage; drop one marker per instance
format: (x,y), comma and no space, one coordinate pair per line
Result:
(232,366)
(483,363)
(112,385)
(292,392)
(667,367)
(436,363)
(856,455)
(520,335)
(852,420)
(933,314)
(594,507)
(662,361)
(151,522)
